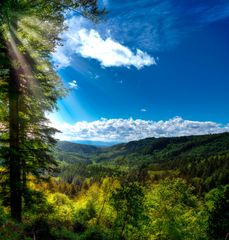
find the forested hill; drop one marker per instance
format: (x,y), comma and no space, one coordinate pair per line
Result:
(156,149)
(204,160)
(76,148)
(162,149)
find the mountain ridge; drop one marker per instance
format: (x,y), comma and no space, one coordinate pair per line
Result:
(198,145)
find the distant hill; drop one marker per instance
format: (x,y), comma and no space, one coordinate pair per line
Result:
(74,152)
(83,149)
(154,149)
(163,148)
(202,159)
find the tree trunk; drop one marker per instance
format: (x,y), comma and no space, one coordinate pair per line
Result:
(14,162)
(14,157)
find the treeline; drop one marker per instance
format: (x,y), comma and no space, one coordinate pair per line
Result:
(204,172)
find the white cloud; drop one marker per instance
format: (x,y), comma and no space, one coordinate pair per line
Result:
(124,130)
(90,44)
(109,52)
(61,60)
(143,110)
(73,84)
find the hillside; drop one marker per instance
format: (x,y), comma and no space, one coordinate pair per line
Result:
(76,148)
(156,149)
(202,159)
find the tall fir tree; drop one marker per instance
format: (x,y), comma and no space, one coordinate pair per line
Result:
(29,32)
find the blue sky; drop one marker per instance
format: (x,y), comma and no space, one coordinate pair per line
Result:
(150,68)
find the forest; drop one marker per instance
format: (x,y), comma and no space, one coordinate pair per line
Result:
(156,188)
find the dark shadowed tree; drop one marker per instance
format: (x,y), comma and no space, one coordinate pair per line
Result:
(218,202)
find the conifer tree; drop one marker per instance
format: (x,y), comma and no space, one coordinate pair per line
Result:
(29,87)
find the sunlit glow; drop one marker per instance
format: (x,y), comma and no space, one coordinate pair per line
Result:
(33,29)
(19,58)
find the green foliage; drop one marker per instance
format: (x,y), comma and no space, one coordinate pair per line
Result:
(175,212)
(135,190)
(63,208)
(206,172)
(77,173)
(124,209)
(87,213)
(3,216)
(63,233)
(218,205)
(9,229)
(128,201)
(12,231)
(96,233)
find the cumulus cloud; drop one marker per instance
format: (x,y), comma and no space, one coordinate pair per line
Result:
(143,110)
(110,53)
(90,44)
(124,130)
(73,84)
